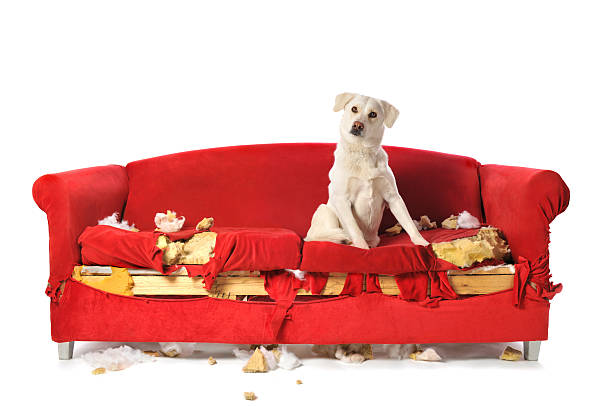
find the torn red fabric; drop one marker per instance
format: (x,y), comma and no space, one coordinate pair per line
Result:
(282,287)
(353,284)
(394,255)
(412,285)
(236,249)
(261,249)
(537,273)
(106,245)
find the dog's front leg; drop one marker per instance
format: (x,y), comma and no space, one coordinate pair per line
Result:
(348,222)
(399,210)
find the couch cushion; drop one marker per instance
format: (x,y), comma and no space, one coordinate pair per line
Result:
(281,185)
(394,255)
(236,248)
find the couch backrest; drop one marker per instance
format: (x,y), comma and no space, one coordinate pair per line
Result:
(281,185)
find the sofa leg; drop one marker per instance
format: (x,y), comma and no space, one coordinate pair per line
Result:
(64,350)
(531,350)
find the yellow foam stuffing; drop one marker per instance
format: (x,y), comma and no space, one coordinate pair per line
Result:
(257,363)
(119,281)
(196,250)
(487,244)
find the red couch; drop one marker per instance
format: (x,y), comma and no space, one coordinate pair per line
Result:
(279,186)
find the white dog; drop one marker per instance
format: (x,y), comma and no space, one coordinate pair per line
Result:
(361,182)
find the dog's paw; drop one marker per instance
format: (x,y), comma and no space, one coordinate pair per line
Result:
(361,244)
(419,241)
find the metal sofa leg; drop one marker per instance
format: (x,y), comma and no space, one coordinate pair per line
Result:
(64,350)
(531,350)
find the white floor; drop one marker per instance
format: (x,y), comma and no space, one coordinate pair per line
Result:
(470,374)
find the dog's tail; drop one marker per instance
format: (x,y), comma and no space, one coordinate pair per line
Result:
(336,235)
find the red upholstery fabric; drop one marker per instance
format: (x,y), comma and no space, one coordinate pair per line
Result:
(236,249)
(74,200)
(394,255)
(523,202)
(281,185)
(106,245)
(370,318)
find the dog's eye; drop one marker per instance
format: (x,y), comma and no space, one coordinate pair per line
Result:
(354,109)
(372,114)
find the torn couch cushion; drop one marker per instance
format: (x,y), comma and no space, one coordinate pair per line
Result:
(235,249)
(396,254)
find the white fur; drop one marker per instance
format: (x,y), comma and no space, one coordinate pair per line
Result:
(113,221)
(466,220)
(361,181)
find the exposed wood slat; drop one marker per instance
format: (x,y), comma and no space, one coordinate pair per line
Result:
(480,284)
(474,282)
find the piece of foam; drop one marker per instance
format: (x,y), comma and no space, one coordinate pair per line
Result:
(119,282)
(198,249)
(257,363)
(510,354)
(464,252)
(205,223)
(450,223)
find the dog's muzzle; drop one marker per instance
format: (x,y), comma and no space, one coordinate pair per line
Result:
(357,128)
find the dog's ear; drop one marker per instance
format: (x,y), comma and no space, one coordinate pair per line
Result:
(342,99)
(391,114)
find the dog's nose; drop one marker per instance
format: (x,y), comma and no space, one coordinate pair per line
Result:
(357,126)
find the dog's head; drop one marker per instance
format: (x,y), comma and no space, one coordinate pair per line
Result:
(364,119)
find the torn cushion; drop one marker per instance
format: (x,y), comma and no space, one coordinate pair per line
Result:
(236,249)
(394,255)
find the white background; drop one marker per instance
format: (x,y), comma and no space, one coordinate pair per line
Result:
(523,83)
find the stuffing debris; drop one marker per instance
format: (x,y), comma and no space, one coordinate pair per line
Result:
(119,282)
(257,363)
(168,222)
(510,354)
(267,358)
(249,396)
(463,220)
(424,223)
(301,275)
(395,230)
(205,223)
(196,250)
(115,359)
(464,252)
(450,223)
(113,221)
(466,220)
(427,355)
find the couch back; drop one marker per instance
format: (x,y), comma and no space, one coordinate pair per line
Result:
(281,185)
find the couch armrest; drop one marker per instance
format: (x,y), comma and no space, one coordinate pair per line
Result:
(523,202)
(74,200)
